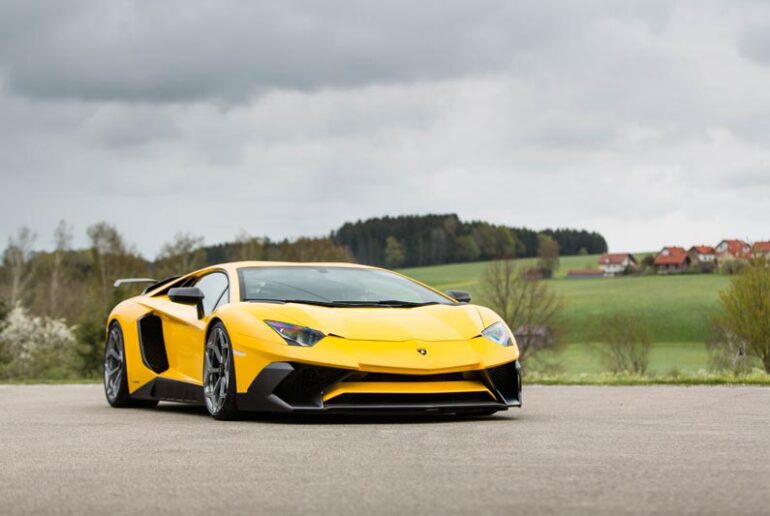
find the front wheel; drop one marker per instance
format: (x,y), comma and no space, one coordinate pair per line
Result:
(115,381)
(219,374)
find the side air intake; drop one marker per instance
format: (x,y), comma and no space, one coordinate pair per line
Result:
(151,343)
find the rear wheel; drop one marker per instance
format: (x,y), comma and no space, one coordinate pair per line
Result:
(219,375)
(115,381)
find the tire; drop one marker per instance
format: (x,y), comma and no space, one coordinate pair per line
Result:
(219,375)
(115,376)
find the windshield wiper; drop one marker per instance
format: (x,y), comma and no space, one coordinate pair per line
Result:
(390,303)
(298,301)
(393,303)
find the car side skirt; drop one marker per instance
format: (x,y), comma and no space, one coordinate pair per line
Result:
(163,389)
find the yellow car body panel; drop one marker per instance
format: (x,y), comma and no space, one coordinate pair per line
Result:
(371,356)
(405,388)
(436,340)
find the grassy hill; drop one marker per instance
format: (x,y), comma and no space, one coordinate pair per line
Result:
(677,307)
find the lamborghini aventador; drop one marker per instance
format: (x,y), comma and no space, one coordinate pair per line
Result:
(308,338)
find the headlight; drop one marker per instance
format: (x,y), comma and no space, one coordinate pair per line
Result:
(296,335)
(499,334)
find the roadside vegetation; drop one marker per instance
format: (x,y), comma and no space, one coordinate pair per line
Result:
(678,329)
(54,304)
(625,343)
(689,328)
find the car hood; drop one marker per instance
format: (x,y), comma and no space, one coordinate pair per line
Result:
(426,323)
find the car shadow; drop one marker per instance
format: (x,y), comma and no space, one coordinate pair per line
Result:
(365,419)
(334,419)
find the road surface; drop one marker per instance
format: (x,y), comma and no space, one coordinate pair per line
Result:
(575,450)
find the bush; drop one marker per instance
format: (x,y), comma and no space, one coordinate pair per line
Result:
(35,347)
(547,255)
(90,336)
(733,267)
(625,343)
(727,353)
(4,356)
(744,320)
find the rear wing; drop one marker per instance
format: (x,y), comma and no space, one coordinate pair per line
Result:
(152,286)
(126,281)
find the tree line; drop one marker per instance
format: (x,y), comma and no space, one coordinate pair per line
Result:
(418,240)
(54,304)
(60,298)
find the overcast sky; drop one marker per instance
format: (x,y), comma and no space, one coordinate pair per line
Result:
(646,121)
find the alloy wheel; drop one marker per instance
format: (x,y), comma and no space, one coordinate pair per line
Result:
(216,370)
(113,364)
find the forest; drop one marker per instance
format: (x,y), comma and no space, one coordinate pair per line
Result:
(417,240)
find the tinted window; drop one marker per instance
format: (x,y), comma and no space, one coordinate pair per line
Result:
(332,285)
(213,286)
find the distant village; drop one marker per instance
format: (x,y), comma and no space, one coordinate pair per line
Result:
(728,256)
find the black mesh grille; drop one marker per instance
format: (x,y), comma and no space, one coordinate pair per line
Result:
(306,383)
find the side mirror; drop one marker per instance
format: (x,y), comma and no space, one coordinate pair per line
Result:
(188,296)
(460,295)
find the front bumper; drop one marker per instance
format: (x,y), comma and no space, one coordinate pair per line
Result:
(303,388)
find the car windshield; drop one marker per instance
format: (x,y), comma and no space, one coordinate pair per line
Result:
(334,286)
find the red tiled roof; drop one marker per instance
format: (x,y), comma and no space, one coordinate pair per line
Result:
(614,258)
(761,247)
(703,249)
(675,256)
(736,248)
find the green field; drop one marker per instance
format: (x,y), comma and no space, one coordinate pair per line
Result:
(677,307)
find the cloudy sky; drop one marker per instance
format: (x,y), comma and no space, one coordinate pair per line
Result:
(647,121)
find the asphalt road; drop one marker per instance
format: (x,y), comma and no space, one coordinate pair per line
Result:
(577,450)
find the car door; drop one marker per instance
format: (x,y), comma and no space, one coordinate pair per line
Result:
(185,333)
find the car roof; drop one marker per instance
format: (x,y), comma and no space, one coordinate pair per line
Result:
(232,267)
(237,265)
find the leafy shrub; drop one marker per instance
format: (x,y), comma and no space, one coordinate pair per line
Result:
(90,336)
(35,347)
(744,319)
(4,356)
(733,267)
(726,352)
(625,343)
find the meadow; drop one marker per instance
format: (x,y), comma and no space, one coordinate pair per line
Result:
(678,309)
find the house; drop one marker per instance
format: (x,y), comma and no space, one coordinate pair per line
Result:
(761,249)
(703,254)
(728,250)
(672,260)
(585,273)
(615,264)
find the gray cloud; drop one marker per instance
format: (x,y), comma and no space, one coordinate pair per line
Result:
(755,43)
(183,50)
(645,121)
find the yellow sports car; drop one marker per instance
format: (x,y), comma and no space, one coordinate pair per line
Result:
(308,338)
